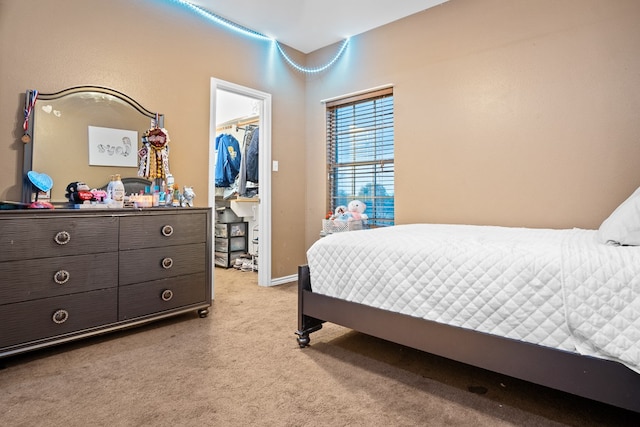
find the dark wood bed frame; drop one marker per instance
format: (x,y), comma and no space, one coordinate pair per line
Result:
(602,380)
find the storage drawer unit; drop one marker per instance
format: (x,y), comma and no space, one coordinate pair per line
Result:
(230,243)
(80,273)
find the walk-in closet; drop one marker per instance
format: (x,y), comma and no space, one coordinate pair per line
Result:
(237,186)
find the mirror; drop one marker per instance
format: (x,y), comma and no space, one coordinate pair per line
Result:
(84,133)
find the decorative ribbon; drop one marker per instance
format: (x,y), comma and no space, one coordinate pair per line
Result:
(33,95)
(154,154)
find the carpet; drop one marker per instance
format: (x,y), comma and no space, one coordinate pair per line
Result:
(242,366)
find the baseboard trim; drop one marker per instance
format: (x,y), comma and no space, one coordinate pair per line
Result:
(283,280)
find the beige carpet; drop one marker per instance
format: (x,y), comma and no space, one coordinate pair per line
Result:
(241,366)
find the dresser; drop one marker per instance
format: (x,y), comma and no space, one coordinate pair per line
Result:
(70,274)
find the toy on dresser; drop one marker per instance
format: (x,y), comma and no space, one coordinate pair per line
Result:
(78,192)
(187,196)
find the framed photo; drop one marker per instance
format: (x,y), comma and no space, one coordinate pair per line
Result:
(113,147)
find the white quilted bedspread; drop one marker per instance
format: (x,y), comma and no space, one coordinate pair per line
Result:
(602,297)
(505,281)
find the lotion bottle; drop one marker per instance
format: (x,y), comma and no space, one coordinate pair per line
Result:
(109,197)
(118,192)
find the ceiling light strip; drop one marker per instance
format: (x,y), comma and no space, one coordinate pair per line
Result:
(251,33)
(222,21)
(343,47)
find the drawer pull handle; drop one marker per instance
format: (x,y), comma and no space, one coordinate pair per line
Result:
(167,263)
(60,316)
(61,277)
(167,230)
(167,294)
(62,237)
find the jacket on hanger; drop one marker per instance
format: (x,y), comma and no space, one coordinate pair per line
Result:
(227,161)
(252,156)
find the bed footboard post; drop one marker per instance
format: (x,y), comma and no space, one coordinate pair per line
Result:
(306,324)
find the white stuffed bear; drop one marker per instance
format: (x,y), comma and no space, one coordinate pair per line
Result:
(355,212)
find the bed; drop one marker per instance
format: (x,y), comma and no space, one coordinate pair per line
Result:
(558,308)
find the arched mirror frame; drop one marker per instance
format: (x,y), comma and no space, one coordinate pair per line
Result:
(32,139)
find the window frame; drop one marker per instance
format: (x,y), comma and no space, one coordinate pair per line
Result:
(381,124)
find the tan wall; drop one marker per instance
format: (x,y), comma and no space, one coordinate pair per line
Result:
(163,56)
(518,113)
(507,112)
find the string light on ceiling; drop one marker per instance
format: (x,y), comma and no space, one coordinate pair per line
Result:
(343,46)
(251,33)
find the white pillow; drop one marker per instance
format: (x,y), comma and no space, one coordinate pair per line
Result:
(623,225)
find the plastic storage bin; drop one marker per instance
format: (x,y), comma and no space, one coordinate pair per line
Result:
(230,243)
(232,229)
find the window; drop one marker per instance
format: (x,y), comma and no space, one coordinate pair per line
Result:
(360,153)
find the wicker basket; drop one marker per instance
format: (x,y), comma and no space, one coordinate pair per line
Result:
(335,226)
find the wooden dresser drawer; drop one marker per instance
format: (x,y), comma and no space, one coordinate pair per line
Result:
(29,238)
(34,320)
(143,265)
(47,277)
(152,297)
(161,230)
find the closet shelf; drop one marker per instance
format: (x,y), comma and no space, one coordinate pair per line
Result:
(247,199)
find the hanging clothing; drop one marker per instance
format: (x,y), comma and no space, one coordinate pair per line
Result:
(242,177)
(252,157)
(227,161)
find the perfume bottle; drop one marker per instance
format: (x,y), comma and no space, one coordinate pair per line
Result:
(176,196)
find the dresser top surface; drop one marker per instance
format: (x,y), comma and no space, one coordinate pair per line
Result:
(44,213)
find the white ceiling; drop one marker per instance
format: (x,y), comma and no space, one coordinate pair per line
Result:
(308,25)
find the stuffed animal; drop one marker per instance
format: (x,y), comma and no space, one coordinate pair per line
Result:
(78,192)
(355,212)
(356,208)
(340,210)
(187,196)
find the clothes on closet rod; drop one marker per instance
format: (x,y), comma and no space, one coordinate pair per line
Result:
(228,160)
(252,156)
(249,163)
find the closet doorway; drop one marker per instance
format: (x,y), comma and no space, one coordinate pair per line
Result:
(242,107)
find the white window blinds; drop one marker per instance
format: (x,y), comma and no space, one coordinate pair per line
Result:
(360,153)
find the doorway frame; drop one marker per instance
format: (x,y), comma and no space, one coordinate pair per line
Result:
(264,165)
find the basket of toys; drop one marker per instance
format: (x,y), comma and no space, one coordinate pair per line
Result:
(345,218)
(337,226)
